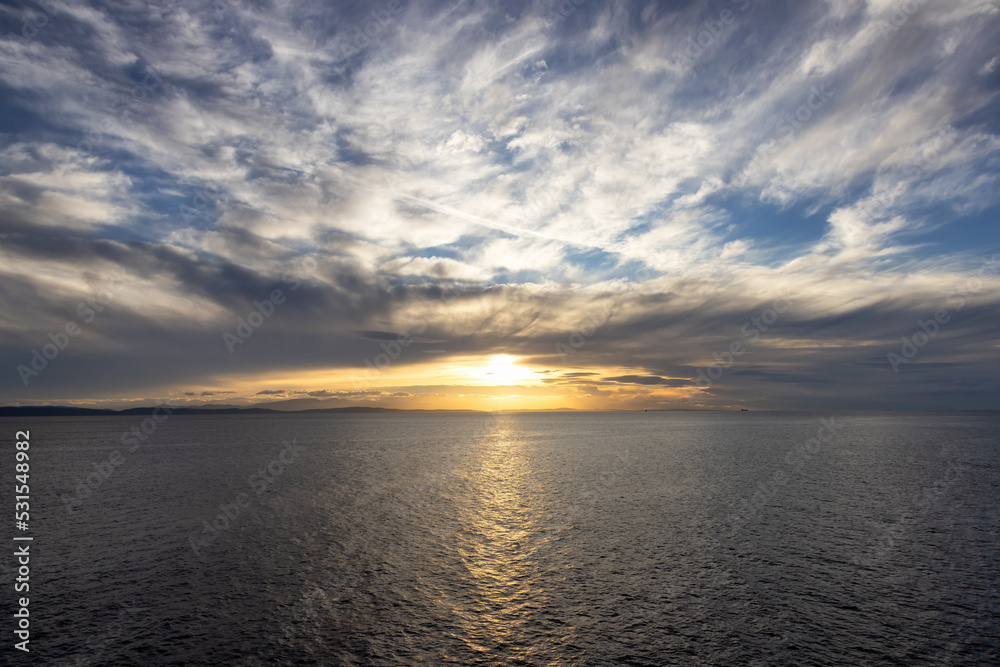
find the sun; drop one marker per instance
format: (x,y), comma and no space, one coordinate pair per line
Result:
(503,369)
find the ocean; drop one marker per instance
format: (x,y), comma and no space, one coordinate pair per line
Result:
(659,538)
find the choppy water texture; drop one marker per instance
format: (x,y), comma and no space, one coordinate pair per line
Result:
(521,539)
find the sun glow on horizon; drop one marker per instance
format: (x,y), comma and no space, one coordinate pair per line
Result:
(492,382)
(503,369)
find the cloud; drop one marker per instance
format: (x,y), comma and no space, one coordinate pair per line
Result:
(494,178)
(650,380)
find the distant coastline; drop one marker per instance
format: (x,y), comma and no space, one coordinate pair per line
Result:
(70,411)
(66,411)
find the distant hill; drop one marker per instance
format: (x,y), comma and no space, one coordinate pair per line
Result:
(295,404)
(53,411)
(64,411)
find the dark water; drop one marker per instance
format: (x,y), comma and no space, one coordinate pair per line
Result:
(521,539)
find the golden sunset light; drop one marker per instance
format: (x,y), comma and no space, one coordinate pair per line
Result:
(492,382)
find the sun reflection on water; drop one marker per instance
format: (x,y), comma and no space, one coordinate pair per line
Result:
(500,547)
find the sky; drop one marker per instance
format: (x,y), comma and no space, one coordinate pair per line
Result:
(584,204)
